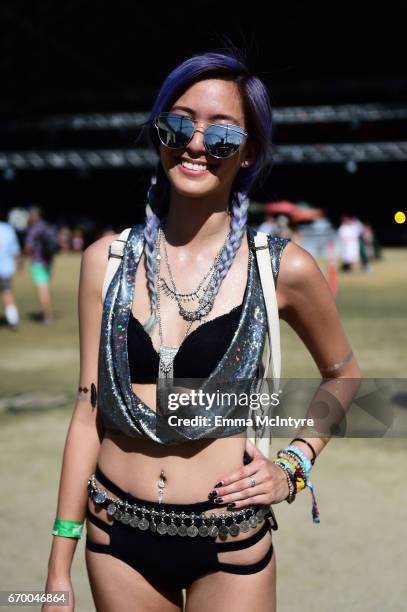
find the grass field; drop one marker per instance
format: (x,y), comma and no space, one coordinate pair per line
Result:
(354,560)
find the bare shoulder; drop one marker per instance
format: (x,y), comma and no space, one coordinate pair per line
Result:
(99,250)
(299,273)
(94,261)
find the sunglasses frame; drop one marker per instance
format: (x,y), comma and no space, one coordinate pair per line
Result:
(234,128)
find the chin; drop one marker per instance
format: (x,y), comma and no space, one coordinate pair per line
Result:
(193,188)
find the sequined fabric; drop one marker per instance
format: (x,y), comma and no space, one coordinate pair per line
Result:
(121,410)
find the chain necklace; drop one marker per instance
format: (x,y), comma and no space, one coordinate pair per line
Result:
(209,294)
(167,353)
(173,292)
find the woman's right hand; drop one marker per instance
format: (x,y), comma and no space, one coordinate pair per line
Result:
(60,583)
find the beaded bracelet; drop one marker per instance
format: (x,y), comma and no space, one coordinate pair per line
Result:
(67,529)
(306,465)
(293,460)
(304,459)
(291,487)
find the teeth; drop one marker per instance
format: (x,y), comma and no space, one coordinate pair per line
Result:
(191,166)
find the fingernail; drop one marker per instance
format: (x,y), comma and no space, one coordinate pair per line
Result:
(231,506)
(218,500)
(219,484)
(213,494)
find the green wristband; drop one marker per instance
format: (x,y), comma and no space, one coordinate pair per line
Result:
(67,529)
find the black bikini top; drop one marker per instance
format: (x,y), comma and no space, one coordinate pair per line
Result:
(197,357)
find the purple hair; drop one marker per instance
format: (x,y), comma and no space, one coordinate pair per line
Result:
(256,105)
(257,110)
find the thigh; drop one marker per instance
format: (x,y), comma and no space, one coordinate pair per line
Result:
(223,591)
(115,585)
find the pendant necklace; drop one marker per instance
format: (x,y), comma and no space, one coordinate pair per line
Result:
(167,353)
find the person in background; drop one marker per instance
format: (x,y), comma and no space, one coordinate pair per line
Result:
(366,245)
(65,239)
(269,225)
(41,245)
(9,251)
(348,234)
(78,241)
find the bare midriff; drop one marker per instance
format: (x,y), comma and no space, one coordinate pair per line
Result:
(191,469)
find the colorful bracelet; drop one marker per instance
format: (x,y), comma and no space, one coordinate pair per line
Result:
(305,461)
(67,529)
(314,455)
(291,487)
(306,465)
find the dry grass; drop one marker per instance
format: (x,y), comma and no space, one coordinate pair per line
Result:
(353,560)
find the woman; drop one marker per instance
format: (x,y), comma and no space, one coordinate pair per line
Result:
(211,125)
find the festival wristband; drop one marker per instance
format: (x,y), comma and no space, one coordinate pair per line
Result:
(67,529)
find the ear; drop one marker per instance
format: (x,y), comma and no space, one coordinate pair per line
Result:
(249,155)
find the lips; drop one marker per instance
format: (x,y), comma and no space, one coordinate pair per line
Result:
(194,171)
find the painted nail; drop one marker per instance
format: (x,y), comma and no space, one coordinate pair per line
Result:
(231,506)
(218,500)
(213,494)
(219,484)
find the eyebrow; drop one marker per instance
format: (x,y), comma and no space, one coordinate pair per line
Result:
(213,117)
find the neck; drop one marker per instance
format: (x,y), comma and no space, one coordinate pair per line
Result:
(196,220)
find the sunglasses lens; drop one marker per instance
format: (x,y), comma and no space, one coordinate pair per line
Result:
(174,131)
(222,141)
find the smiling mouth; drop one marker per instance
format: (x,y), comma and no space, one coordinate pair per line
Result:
(198,167)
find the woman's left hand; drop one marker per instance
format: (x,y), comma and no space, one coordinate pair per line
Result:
(259,482)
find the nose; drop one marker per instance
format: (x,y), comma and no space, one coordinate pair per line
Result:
(196,144)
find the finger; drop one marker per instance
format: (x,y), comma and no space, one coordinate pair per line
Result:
(242,484)
(243,489)
(244,472)
(237,485)
(256,495)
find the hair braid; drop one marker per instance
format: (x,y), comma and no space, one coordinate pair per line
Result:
(239,212)
(155,211)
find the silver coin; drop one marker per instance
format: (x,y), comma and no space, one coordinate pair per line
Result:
(125,518)
(162,528)
(244,526)
(118,515)
(182,530)
(213,531)
(223,531)
(234,529)
(172,529)
(203,531)
(192,531)
(100,497)
(153,527)
(253,520)
(143,524)
(260,515)
(134,521)
(111,509)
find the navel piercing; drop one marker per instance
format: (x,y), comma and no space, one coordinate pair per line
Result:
(161,486)
(93,394)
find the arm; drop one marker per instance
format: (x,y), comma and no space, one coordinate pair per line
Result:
(85,431)
(307,305)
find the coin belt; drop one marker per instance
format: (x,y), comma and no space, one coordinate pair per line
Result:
(173,523)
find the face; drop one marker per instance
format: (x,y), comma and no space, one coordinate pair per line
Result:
(207,101)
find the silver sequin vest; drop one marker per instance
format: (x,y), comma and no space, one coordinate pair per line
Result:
(121,410)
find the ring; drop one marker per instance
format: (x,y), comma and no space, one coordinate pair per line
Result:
(252,482)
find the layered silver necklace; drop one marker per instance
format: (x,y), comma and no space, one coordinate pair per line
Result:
(205,302)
